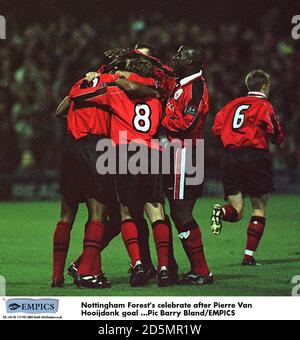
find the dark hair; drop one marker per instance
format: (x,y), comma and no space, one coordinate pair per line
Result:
(196,54)
(199,55)
(256,79)
(141,66)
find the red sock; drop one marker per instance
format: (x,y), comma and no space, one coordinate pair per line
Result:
(143,233)
(77,261)
(91,246)
(194,249)
(230,214)
(130,237)
(61,240)
(254,233)
(173,266)
(161,239)
(97,265)
(103,244)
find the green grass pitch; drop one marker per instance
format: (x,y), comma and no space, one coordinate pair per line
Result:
(26,245)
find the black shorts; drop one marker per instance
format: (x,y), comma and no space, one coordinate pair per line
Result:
(79,178)
(247,170)
(175,184)
(134,190)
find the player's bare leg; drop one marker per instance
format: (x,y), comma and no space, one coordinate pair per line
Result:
(190,234)
(231,212)
(68,211)
(89,271)
(255,228)
(154,211)
(129,232)
(156,215)
(259,205)
(61,240)
(238,203)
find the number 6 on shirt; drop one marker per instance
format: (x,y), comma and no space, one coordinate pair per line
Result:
(239,116)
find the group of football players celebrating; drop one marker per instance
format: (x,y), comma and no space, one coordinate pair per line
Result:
(125,106)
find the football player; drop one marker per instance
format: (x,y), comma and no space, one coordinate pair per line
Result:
(184,119)
(80,182)
(140,119)
(164,77)
(164,80)
(245,125)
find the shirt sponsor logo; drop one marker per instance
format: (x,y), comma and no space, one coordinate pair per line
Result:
(178,93)
(191,110)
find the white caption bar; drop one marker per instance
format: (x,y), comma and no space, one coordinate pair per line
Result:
(160,308)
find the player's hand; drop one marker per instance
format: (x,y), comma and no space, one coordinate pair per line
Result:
(90,76)
(115,53)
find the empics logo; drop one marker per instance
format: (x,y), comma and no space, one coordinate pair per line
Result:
(32,306)
(14,306)
(2,27)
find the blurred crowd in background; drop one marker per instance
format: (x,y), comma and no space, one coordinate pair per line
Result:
(40,62)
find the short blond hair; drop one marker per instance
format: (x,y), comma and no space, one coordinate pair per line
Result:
(256,79)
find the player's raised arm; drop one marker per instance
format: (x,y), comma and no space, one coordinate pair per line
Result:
(98,96)
(136,90)
(85,87)
(96,91)
(142,68)
(138,79)
(63,107)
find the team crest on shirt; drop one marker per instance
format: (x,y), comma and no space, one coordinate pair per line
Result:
(178,93)
(192,110)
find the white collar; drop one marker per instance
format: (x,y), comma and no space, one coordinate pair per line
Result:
(190,78)
(257,94)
